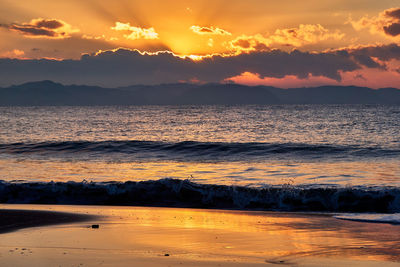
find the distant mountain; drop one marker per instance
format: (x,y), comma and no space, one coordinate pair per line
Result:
(55,94)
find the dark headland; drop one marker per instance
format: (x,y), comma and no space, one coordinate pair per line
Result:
(48,93)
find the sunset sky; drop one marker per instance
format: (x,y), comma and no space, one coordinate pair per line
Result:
(281,43)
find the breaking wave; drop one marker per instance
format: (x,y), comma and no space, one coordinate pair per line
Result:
(193,151)
(184,193)
(371,218)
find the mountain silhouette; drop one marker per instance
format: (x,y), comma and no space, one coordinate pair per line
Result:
(55,94)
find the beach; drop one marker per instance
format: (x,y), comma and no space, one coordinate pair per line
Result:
(200,186)
(199,133)
(152,236)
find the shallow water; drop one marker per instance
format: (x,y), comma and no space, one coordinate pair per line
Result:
(343,145)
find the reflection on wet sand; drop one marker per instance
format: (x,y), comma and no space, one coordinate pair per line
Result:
(208,235)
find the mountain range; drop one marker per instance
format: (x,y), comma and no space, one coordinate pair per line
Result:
(55,94)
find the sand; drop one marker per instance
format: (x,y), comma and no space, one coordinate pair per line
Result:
(142,236)
(13,220)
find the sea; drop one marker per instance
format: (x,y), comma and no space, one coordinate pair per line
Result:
(330,158)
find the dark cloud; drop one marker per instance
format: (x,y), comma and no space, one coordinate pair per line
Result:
(394,13)
(366,61)
(32,30)
(47,28)
(49,24)
(382,52)
(393,29)
(126,67)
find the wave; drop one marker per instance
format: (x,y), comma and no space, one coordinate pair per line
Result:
(371,218)
(184,193)
(193,151)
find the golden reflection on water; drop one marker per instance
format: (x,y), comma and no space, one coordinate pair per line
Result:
(220,235)
(231,173)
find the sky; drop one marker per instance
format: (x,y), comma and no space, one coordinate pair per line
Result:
(283,43)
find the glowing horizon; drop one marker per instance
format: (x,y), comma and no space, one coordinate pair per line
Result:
(200,30)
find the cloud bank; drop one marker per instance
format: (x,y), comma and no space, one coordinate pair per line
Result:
(127,67)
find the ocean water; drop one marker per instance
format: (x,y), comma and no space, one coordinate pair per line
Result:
(313,152)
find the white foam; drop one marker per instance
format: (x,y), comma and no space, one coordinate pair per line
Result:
(371,218)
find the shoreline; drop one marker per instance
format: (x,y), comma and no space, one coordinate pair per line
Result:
(154,236)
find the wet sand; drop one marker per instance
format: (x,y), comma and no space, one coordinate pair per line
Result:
(141,236)
(12,220)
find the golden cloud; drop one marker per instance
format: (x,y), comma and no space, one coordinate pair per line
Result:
(43,28)
(251,43)
(135,32)
(303,35)
(99,37)
(16,53)
(209,30)
(386,23)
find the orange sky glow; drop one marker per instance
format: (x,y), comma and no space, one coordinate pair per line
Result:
(61,30)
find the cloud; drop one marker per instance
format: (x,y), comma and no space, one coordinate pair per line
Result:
(135,32)
(99,37)
(122,67)
(392,29)
(393,12)
(15,53)
(288,81)
(296,37)
(373,56)
(305,34)
(386,23)
(43,28)
(245,44)
(209,30)
(365,77)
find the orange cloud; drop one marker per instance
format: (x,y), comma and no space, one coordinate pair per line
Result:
(16,53)
(288,81)
(296,37)
(304,34)
(135,32)
(209,30)
(365,77)
(99,37)
(386,23)
(90,37)
(247,44)
(43,28)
